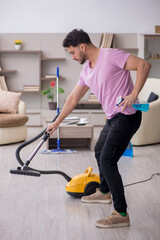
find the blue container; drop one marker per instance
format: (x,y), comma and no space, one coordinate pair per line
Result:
(141,106)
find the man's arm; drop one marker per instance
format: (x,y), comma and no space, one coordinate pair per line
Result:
(142,67)
(77,93)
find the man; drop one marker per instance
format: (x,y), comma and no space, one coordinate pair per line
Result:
(107,73)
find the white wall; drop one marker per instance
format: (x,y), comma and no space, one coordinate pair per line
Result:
(61,16)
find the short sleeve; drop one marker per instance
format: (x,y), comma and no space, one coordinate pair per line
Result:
(118,57)
(80,81)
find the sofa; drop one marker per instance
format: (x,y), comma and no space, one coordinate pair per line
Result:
(13,118)
(149,131)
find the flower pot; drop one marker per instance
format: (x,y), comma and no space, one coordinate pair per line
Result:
(52,105)
(17,46)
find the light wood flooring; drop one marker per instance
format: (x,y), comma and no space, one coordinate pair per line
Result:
(40,209)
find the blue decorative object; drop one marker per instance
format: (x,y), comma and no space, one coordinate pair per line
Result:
(129,151)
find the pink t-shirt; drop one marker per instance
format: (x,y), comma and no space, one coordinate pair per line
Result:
(109,80)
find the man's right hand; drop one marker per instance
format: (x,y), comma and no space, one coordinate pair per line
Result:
(52,127)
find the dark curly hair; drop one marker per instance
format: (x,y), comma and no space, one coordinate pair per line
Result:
(76,37)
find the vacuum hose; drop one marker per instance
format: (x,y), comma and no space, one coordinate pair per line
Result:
(25,170)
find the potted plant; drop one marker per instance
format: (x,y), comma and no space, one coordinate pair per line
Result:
(50,94)
(17,44)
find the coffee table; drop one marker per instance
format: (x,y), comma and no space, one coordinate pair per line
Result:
(71,136)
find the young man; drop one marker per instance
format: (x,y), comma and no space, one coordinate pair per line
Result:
(107,73)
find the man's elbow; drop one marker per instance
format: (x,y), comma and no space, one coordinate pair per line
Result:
(147,66)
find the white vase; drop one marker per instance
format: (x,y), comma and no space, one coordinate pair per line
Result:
(17,46)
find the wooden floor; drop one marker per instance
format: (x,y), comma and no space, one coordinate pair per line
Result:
(40,209)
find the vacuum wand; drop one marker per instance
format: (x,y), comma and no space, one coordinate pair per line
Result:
(25,169)
(46,136)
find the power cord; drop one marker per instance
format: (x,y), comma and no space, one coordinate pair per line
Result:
(158,174)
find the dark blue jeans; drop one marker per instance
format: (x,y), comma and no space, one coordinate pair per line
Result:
(112,142)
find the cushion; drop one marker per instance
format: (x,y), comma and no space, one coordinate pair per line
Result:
(9,101)
(152,97)
(12,120)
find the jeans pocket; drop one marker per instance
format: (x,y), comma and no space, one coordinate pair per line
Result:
(115,134)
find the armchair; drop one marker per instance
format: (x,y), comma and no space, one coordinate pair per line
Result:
(149,131)
(13,125)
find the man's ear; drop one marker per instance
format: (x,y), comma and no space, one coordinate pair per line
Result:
(82,47)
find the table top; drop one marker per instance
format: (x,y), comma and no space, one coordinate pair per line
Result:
(68,123)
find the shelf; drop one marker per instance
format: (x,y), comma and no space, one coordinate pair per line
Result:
(53,78)
(46,79)
(20,51)
(33,111)
(45,62)
(28,66)
(30,91)
(151,58)
(152,53)
(52,59)
(148,37)
(129,49)
(7,71)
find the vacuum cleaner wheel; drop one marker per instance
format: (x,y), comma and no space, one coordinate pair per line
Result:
(91,188)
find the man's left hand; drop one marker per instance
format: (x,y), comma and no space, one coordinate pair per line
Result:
(129,100)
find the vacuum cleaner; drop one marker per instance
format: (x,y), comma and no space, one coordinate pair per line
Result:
(78,186)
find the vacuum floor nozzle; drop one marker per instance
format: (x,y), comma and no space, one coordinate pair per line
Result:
(26,172)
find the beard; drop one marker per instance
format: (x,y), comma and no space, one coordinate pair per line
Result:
(82,58)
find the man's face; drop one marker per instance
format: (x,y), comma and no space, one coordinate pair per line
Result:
(77,54)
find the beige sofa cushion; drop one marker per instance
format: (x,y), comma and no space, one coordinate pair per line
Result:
(12,120)
(9,101)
